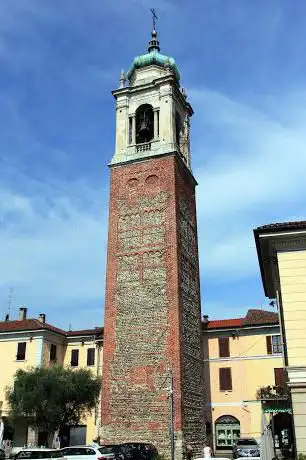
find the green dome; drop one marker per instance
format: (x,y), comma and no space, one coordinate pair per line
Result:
(153,57)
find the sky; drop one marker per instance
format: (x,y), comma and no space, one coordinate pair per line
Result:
(243,64)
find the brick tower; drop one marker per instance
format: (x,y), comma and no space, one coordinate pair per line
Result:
(152,320)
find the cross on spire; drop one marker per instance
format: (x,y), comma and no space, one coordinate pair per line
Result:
(154,17)
(153,43)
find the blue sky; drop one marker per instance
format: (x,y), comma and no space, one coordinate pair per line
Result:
(243,64)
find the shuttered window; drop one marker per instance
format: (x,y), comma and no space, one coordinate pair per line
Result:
(74,358)
(21,351)
(279,376)
(53,352)
(90,357)
(274,344)
(224,351)
(225,379)
(269,344)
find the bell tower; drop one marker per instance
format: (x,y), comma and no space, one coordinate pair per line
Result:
(152,324)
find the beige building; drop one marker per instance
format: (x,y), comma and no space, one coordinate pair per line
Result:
(241,356)
(282,257)
(32,342)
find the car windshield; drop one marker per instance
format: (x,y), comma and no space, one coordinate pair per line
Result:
(246,442)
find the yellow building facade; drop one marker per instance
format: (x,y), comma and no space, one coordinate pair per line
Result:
(241,356)
(26,343)
(281,252)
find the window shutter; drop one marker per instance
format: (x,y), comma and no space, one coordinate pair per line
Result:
(90,356)
(21,351)
(74,358)
(269,344)
(224,351)
(279,376)
(229,379)
(225,379)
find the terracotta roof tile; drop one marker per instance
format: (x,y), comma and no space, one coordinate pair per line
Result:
(224,323)
(95,331)
(33,324)
(28,325)
(260,317)
(254,317)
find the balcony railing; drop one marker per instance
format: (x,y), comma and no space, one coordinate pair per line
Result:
(143,147)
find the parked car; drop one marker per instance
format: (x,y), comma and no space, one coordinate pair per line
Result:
(38,453)
(88,453)
(140,451)
(246,447)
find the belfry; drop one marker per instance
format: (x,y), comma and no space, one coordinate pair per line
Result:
(152,325)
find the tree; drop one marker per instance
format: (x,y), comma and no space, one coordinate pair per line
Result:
(272,393)
(50,398)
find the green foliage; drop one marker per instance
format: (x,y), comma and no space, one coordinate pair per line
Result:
(302,457)
(52,397)
(269,392)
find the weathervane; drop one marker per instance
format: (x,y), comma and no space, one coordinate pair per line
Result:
(154,17)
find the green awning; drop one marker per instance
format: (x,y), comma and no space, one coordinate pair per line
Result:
(274,410)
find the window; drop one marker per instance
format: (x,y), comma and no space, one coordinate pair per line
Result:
(224,351)
(21,351)
(52,352)
(279,376)
(227,430)
(130,130)
(90,357)
(225,379)
(274,344)
(74,358)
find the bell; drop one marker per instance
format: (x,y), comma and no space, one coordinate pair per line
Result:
(143,127)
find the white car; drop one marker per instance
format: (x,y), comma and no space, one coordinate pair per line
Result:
(88,453)
(38,453)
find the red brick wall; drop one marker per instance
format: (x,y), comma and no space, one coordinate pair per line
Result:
(146,326)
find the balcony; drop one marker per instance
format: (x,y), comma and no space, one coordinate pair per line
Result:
(143,147)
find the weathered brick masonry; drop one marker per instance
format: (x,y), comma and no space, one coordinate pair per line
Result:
(152,309)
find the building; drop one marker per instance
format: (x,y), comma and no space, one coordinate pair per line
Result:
(281,250)
(152,310)
(32,342)
(241,355)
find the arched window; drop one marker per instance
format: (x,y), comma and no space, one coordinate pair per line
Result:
(178,129)
(144,124)
(227,429)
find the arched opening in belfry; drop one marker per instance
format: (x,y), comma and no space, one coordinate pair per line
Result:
(144,124)
(178,130)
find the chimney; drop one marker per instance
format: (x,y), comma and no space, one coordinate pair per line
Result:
(42,318)
(205,320)
(22,313)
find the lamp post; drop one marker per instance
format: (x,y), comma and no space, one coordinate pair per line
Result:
(171,415)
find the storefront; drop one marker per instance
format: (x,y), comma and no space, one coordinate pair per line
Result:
(227,430)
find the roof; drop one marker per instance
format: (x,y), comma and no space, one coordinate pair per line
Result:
(95,331)
(33,324)
(263,250)
(281,226)
(154,58)
(253,317)
(28,325)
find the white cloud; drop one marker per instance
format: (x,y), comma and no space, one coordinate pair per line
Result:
(253,172)
(57,257)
